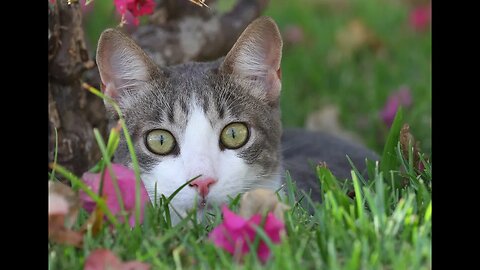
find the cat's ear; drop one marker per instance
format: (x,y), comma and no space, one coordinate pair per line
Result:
(255,59)
(121,63)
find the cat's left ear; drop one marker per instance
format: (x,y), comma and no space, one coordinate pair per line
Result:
(255,59)
(122,63)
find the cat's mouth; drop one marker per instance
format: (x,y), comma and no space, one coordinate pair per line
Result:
(205,204)
(202,203)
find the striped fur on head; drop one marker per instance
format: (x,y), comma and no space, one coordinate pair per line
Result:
(195,101)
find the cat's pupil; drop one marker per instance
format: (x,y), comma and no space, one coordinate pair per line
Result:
(161,139)
(232,131)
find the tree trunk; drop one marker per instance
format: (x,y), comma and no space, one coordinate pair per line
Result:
(182,32)
(71,110)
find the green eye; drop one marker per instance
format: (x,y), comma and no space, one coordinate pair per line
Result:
(234,135)
(160,142)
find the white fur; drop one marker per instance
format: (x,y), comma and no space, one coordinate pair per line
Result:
(200,155)
(129,65)
(251,60)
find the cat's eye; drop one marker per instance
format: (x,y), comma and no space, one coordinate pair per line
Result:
(160,141)
(234,135)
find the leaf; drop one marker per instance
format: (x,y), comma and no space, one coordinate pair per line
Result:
(63,206)
(329,183)
(103,259)
(408,145)
(327,120)
(62,200)
(200,3)
(354,38)
(389,160)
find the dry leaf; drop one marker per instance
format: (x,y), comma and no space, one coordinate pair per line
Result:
(104,259)
(62,200)
(63,207)
(407,140)
(200,3)
(327,120)
(353,38)
(261,201)
(357,35)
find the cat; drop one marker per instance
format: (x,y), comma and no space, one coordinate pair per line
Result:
(219,119)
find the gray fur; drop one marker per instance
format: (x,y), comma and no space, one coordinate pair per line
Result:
(302,150)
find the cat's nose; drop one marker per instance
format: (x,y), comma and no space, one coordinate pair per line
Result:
(202,185)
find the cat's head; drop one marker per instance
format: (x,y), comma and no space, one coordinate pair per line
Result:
(219,119)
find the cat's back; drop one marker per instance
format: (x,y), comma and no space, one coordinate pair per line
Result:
(302,150)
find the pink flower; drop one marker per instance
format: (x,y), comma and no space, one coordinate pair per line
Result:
(102,259)
(135,8)
(126,184)
(402,97)
(420,17)
(87,9)
(236,234)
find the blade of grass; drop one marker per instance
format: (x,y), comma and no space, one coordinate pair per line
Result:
(359,175)
(106,158)
(170,198)
(166,211)
(131,149)
(328,182)
(358,195)
(389,158)
(290,189)
(112,145)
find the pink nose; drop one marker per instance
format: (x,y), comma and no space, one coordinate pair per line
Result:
(202,184)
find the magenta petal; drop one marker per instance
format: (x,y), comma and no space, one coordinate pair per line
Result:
(421,17)
(402,97)
(126,183)
(220,238)
(263,252)
(92,180)
(122,172)
(236,234)
(273,227)
(121,6)
(231,220)
(147,7)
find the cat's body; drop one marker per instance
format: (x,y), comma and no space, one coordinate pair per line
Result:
(219,120)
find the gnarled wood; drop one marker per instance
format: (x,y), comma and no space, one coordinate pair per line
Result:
(72,111)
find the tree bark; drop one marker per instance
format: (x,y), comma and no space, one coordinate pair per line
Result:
(187,32)
(72,111)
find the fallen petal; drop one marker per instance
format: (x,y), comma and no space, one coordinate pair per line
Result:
(104,259)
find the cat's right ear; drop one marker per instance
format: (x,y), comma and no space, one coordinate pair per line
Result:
(255,59)
(121,63)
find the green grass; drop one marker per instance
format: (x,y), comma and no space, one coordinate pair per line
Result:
(360,85)
(385,226)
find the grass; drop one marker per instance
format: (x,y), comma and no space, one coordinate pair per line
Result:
(359,85)
(385,226)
